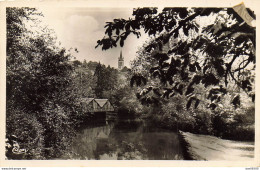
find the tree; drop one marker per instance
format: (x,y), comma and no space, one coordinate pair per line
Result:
(40,106)
(100,83)
(187,54)
(83,80)
(106,81)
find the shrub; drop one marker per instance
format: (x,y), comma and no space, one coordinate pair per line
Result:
(29,133)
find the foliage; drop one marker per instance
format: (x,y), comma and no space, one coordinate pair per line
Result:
(128,105)
(237,124)
(58,129)
(174,115)
(28,132)
(84,80)
(188,53)
(99,81)
(40,106)
(106,80)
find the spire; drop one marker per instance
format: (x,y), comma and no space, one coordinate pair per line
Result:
(120,61)
(121,56)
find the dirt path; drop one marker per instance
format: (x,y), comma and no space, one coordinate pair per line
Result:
(205,147)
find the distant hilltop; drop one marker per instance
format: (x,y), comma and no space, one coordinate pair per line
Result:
(91,65)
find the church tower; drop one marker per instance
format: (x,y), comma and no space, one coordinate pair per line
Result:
(120,61)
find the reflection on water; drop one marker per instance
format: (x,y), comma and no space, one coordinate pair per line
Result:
(126,141)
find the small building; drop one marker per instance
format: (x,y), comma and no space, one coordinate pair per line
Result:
(90,105)
(102,109)
(105,105)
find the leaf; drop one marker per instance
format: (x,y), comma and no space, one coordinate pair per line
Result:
(127,26)
(253,98)
(166,95)
(246,85)
(165,65)
(182,12)
(209,79)
(154,69)
(138,95)
(145,91)
(143,80)
(117,31)
(171,72)
(109,31)
(143,101)
(156,73)
(179,89)
(212,92)
(196,103)
(189,90)
(212,106)
(199,44)
(222,90)
(186,60)
(172,94)
(240,39)
(236,101)
(189,103)
(196,79)
(121,42)
(132,81)
(183,48)
(135,25)
(138,79)
(192,68)
(184,75)
(197,65)
(196,28)
(161,56)
(214,50)
(157,91)
(218,66)
(176,34)
(177,63)
(186,31)
(214,97)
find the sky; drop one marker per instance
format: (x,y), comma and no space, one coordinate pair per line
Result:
(81,28)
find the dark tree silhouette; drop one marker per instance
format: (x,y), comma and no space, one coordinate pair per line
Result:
(214,55)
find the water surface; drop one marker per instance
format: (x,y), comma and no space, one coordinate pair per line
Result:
(126,140)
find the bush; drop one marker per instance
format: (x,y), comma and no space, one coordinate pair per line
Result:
(175,115)
(29,133)
(235,124)
(59,129)
(226,122)
(40,104)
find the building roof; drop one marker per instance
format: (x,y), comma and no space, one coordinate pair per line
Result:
(96,105)
(101,102)
(87,100)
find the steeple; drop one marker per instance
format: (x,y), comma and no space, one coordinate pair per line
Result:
(121,57)
(120,61)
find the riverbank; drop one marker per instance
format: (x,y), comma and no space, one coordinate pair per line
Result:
(211,148)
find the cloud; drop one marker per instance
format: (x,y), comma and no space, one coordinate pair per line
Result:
(80,28)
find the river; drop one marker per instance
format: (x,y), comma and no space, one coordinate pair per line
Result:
(125,140)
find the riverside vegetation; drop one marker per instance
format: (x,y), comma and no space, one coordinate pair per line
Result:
(203,84)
